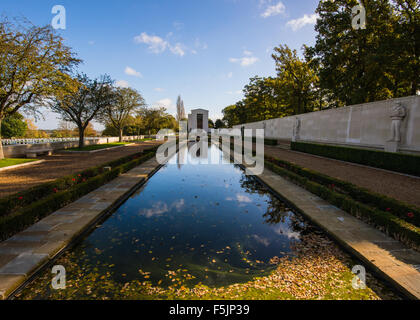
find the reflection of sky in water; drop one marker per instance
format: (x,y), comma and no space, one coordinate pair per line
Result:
(212,220)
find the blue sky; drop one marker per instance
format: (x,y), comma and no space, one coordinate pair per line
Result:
(205,50)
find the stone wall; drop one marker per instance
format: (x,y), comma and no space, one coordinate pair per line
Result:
(15,151)
(370,125)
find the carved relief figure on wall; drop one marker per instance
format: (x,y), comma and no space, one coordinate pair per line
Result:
(398,113)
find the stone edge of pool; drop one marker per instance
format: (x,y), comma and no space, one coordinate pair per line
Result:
(23,255)
(381,253)
(26,253)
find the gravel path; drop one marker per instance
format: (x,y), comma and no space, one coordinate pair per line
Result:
(397,186)
(59,165)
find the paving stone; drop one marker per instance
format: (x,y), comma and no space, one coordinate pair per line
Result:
(55,219)
(408,256)
(23,264)
(22,237)
(6,258)
(51,248)
(101,205)
(390,246)
(42,226)
(18,247)
(84,200)
(8,283)
(58,235)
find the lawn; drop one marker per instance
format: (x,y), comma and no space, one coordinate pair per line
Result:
(143,140)
(99,146)
(11,162)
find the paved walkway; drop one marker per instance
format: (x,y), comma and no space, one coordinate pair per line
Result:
(61,164)
(397,186)
(396,263)
(24,253)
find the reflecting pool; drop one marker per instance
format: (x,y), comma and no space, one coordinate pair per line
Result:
(189,224)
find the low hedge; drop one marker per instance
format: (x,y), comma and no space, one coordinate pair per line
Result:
(384,221)
(27,215)
(405,163)
(24,198)
(270,142)
(400,209)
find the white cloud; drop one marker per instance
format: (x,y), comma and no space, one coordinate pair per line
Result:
(297,24)
(247,53)
(274,10)
(243,198)
(122,84)
(167,104)
(159,89)
(234,92)
(261,240)
(131,72)
(245,61)
(156,44)
(178,49)
(229,75)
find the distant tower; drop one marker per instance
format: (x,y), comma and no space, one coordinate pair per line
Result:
(180,110)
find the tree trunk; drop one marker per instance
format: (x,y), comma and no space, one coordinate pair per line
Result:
(120,135)
(1,145)
(81,137)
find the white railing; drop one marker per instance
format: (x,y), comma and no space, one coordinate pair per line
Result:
(12,142)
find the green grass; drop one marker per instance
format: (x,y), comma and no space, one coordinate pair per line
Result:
(99,146)
(142,140)
(12,162)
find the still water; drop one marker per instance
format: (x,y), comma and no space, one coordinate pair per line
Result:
(213,222)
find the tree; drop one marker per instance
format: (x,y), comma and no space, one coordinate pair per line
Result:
(155,119)
(379,62)
(211,124)
(34,65)
(65,129)
(90,131)
(14,126)
(33,132)
(297,79)
(127,103)
(180,110)
(84,105)
(219,124)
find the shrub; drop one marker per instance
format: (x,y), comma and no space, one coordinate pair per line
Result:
(385,221)
(405,163)
(270,142)
(53,200)
(27,197)
(400,209)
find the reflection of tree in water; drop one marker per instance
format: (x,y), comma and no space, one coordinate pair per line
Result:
(251,185)
(277,212)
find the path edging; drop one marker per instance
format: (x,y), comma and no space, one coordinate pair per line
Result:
(99,150)
(21,165)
